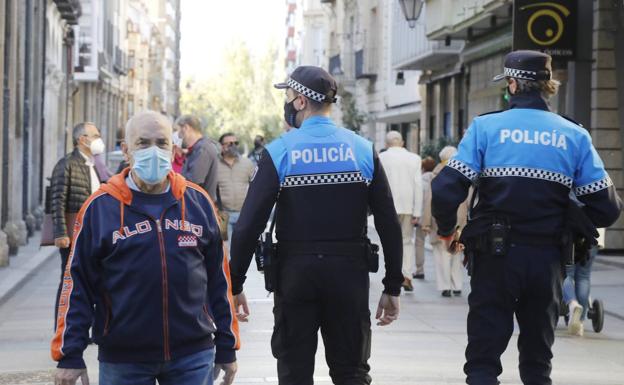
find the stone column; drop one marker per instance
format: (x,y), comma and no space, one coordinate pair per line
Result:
(605,123)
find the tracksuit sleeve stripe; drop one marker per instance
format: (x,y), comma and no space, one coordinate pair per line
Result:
(64,306)
(225,271)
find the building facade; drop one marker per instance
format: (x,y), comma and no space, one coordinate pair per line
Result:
(467,44)
(64,62)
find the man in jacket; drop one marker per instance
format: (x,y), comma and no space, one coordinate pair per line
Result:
(148,271)
(200,166)
(235,172)
(403,169)
(74,178)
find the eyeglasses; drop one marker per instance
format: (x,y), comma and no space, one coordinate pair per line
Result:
(228,144)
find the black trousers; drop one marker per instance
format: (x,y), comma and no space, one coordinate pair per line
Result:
(64,257)
(526,282)
(329,293)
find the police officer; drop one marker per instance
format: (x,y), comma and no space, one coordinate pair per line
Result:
(323,179)
(524,162)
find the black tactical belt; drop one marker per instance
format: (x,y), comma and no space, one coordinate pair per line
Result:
(285,249)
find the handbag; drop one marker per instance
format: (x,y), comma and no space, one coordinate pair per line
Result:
(47,228)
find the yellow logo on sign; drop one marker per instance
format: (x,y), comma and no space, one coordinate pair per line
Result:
(551,36)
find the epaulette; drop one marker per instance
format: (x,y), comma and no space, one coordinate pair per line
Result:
(492,112)
(571,120)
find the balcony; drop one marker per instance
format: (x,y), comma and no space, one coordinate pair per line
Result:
(70,10)
(411,50)
(468,19)
(365,65)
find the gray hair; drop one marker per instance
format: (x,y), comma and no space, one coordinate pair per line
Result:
(141,117)
(548,88)
(447,153)
(189,120)
(394,138)
(80,130)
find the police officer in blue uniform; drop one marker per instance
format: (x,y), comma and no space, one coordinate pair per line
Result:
(324,180)
(523,161)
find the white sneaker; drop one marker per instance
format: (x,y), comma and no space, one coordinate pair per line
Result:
(575,325)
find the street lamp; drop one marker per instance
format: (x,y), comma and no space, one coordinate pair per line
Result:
(412,10)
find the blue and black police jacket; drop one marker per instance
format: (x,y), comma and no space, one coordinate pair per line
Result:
(323,179)
(525,161)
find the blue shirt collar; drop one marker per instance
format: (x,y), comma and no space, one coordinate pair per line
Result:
(319,125)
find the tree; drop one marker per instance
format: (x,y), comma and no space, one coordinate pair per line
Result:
(241,99)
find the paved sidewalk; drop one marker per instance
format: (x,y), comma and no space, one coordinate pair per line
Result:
(22,266)
(425,346)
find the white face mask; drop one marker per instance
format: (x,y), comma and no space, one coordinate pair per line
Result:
(176,139)
(97,146)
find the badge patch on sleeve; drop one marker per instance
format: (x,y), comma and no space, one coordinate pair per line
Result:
(187,241)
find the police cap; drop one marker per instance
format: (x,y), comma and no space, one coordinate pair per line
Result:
(528,65)
(312,82)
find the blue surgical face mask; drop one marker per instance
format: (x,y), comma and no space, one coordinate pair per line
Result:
(151,164)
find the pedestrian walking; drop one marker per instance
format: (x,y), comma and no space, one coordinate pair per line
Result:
(448,265)
(200,166)
(323,179)
(428,164)
(524,162)
(403,169)
(147,269)
(255,154)
(235,173)
(74,179)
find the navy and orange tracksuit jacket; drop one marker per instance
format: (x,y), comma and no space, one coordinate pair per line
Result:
(153,288)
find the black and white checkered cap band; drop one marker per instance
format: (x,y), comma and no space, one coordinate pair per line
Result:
(463,168)
(593,187)
(305,91)
(520,74)
(526,172)
(324,179)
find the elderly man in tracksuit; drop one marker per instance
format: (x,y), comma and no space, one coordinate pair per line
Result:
(147,269)
(524,161)
(323,178)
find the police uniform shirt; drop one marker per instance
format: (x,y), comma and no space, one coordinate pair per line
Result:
(526,160)
(324,179)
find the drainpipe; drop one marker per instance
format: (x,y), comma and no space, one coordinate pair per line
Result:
(43,81)
(6,105)
(27,110)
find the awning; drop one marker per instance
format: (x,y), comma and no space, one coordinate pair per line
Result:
(402,114)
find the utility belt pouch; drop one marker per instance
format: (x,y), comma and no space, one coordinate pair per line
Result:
(498,238)
(266,260)
(372,256)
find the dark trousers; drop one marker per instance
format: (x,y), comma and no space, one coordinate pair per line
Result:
(330,293)
(526,282)
(64,257)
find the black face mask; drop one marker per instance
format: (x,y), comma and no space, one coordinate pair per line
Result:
(290,114)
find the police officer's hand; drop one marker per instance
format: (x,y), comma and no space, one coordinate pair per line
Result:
(241,307)
(229,372)
(70,376)
(388,309)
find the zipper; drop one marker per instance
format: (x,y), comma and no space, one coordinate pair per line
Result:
(165,292)
(163,262)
